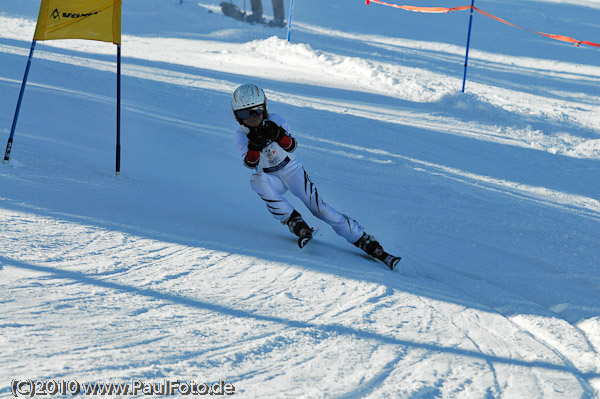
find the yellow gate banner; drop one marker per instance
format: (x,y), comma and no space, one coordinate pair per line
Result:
(79,19)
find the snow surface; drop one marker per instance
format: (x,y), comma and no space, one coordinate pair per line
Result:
(174,269)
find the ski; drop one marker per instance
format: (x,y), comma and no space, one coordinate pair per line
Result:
(304,239)
(390,260)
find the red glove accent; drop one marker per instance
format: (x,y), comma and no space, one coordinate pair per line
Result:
(252,157)
(285,142)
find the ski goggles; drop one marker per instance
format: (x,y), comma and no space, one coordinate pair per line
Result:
(248,112)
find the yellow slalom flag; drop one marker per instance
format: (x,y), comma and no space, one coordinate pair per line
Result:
(79,19)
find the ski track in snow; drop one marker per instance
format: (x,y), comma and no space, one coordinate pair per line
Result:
(96,294)
(117,266)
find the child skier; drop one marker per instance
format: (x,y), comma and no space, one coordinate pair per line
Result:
(266,145)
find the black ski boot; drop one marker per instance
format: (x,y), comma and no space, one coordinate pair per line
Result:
(299,227)
(233,11)
(255,19)
(371,246)
(277,23)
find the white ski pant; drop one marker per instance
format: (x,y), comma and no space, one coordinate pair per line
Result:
(293,178)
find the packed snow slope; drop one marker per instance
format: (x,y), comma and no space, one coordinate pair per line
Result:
(175,270)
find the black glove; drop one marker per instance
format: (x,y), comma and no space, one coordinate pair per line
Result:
(272,131)
(257,140)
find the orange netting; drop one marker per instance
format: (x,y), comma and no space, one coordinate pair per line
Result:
(445,10)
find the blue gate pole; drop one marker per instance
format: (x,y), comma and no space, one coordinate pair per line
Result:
(468,44)
(289,32)
(14,124)
(118,149)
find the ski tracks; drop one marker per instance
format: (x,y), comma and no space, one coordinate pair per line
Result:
(563,343)
(221,314)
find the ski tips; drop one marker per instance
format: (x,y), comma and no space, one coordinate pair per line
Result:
(303,240)
(392,261)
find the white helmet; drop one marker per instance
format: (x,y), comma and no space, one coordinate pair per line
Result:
(248,96)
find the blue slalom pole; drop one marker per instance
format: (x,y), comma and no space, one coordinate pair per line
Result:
(289,32)
(468,44)
(14,124)
(118,148)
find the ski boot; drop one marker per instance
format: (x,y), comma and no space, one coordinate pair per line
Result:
(277,23)
(255,19)
(371,246)
(298,226)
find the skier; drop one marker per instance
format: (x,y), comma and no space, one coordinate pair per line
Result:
(266,145)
